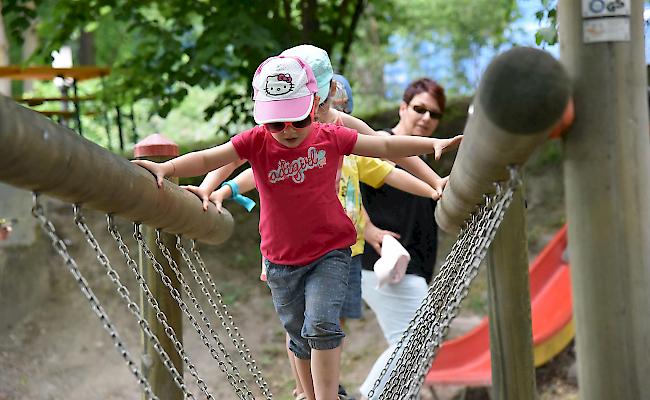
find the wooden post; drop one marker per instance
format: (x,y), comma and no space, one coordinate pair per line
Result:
(158,148)
(511,347)
(607,181)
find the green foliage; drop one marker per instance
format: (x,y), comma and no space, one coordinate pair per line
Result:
(158,49)
(547,17)
(465,27)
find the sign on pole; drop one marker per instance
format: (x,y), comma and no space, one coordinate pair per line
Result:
(605,21)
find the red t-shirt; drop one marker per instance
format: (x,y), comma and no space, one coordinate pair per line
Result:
(301,218)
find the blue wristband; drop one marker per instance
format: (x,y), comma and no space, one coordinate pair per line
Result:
(244,201)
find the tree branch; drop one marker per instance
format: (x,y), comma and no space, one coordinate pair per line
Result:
(358,11)
(342,15)
(309,20)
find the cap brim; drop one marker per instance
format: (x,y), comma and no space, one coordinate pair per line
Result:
(282,110)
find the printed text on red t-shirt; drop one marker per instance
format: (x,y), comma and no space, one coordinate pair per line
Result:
(296,168)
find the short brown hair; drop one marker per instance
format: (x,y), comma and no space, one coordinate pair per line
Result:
(426,85)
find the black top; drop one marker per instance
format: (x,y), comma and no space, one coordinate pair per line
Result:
(412,217)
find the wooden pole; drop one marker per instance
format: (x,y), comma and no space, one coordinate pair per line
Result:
(38,155)
(160,149)
(522,96)
(511,343)
(607,181)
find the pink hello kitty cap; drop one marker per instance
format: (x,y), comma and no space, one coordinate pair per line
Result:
(283,90)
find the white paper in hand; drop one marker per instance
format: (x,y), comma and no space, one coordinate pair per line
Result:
(391,266)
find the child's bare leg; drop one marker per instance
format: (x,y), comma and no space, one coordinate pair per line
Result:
(325,372)
(303,367)
(292,362)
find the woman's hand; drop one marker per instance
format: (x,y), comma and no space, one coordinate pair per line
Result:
(160,170)
(375,236)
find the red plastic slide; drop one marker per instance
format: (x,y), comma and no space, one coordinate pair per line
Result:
(465,360)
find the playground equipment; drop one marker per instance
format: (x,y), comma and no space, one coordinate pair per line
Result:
(522,97)
(506,85)
(465,360)
(607,188)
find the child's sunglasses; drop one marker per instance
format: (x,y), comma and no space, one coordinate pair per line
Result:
(276,127)
(432,113)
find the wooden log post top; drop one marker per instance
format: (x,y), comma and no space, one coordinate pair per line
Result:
(522,96)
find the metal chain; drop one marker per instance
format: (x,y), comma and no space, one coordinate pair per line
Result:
(60,247)
(222,313)
(188,291)
(160,315)
(437,287)
(418,346)
(183,306)
(131,305)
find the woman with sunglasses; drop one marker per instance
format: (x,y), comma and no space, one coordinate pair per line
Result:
(408,218)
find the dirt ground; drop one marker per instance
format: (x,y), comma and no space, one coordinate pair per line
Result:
(52,345)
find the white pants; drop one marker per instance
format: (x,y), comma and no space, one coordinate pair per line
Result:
(394,305)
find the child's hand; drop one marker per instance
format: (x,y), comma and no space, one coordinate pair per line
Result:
(160,170)
(375,236)
(435,195)
(202,194)
(218,196)
(440,186)
(443,145)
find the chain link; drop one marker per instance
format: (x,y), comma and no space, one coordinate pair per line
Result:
(222,313)
(418,346)
(206,321)
(241,393)
(60,247)
(160,315)
(131,305)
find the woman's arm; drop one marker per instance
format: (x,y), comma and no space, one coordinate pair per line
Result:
(373,235)
(406,182)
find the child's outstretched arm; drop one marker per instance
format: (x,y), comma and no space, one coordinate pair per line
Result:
(212,181)
(192,164)
(245,181)
(393,146)
(414,165)
(406,182)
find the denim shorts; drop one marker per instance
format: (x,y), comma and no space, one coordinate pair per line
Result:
(308,300)
(352,304)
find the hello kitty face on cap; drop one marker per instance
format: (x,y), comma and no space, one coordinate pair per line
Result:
(284,88)
(278,85)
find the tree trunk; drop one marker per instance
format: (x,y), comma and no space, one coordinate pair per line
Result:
(30,44)
(309,20)
(5,84)
(87,48)
(347,44)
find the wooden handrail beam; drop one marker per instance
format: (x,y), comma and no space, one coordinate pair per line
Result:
(39,155)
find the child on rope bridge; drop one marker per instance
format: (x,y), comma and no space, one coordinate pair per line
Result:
(305,233)
(334,93)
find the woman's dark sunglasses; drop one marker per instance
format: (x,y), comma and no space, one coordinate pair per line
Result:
(276,127)
(432,113)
